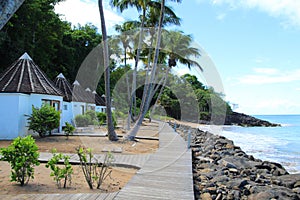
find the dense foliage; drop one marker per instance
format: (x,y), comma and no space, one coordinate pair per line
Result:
(22,156)
(53,44)
(57,46)
(43,120)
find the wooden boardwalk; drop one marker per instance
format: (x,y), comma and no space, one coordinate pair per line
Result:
(166,174)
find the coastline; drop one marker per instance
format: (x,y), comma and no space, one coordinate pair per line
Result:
(223,170)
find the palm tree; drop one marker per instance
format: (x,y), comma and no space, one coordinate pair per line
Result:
(131,135)
(179,49)
(111,131)
(141,5)
(125,40)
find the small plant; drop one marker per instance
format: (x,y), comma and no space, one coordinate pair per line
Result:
(68,129)
(43,120)
(58,173)
(92,169)
(22,155)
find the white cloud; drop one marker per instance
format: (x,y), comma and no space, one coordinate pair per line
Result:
(86,11)
(269,76)
(221,16)
(289,10)
(267,71)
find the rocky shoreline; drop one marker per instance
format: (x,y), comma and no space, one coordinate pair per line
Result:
(222,170)
(241,119)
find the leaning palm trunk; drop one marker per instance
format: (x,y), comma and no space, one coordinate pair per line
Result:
(133,100)
(131,135)
(111,131)
(128,92)
(161,91)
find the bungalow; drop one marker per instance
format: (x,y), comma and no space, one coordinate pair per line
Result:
(22,86)
(76,100)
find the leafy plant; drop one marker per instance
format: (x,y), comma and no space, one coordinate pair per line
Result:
(92,169)
(43,120)
(22,155)
(82,120)
(58,173)
(92,114)
(68,129)
(101,117)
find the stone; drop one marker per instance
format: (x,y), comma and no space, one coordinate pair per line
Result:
(297,184)
(205,196)
(228,164)
(233,170)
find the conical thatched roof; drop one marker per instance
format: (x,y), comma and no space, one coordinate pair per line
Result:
(100,101)
(24,76)
(74,92)
(66,88)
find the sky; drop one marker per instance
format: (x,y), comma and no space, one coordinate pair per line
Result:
(254,45)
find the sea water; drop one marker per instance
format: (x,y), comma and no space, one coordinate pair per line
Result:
(276,144)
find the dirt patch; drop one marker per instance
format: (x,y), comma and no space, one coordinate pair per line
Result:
(43,183)
(98,145)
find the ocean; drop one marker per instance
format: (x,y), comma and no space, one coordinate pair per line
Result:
(276,144)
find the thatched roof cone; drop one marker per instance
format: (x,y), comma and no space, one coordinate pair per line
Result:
(24,76)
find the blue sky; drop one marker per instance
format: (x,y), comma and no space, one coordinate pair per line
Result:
(254,44)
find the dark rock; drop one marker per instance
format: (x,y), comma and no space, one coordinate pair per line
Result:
(245,120)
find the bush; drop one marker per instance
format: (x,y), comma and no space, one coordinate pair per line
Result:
(92,169)
(82,120)
(22,155)
(101,117)
(43,120)
(68,129)
(59,174)
(92,114)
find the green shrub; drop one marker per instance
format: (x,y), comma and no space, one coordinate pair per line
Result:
(43,120)
(58,173)
(101,117)
(82,120)
(68,129)
(92,114)
(22,156)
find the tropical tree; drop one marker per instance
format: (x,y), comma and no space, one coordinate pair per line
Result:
(111,131)
(178,48)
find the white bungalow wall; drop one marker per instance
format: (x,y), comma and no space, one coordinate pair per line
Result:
(67,113)
(74,109)
(14,107)
(101,109)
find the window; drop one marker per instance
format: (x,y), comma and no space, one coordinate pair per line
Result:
(54,103)
(65,107)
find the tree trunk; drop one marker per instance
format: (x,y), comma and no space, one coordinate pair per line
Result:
(161,90)
(131,135)
(133,100)
(110,126)
(128,92)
